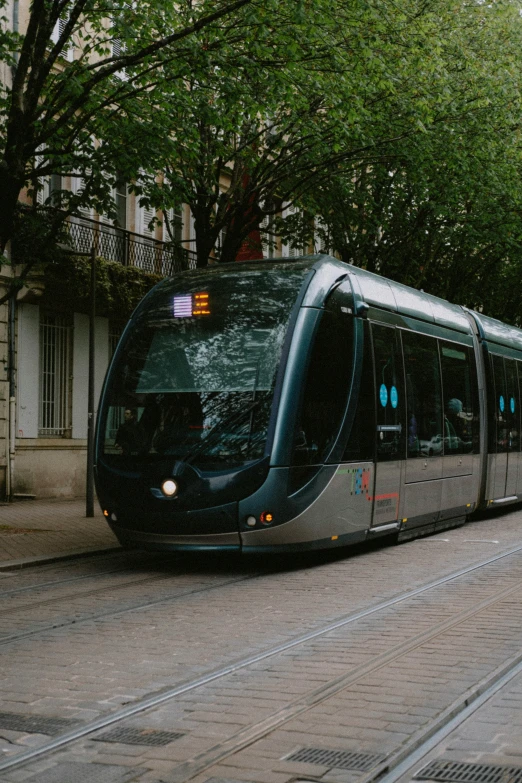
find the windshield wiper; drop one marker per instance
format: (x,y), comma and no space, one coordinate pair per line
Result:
(234,418)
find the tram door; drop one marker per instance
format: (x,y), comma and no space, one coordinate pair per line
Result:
(390,423)
(425,443)
(504,428)
(513,428)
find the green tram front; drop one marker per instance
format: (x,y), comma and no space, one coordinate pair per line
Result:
(226,412)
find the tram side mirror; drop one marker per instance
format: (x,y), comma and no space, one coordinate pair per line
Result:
(361,309)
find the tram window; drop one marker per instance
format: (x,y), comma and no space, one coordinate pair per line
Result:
(389,377)
(201,389)
(361,442)
(512,407)
(459,398)
(326,388)
(499,430)
(519,400)
(424,399)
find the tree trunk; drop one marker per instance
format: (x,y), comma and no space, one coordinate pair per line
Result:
(10,187)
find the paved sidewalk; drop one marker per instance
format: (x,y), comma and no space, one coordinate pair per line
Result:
(39,531)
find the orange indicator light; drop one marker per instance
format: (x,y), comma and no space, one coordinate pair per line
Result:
(266,517)
(200,306)
(105,512)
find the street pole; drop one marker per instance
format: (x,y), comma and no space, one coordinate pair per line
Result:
(89,495)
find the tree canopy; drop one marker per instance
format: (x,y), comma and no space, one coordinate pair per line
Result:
(397,124)
(75,68)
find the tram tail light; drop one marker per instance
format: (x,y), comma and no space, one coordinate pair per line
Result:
(266,518)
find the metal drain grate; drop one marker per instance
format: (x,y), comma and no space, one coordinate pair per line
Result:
(34,724)
(461,772)
(131,736)
(70,771)
(340,759)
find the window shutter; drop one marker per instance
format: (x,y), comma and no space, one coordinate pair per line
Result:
(118,47)
(144,215)
(44,185)
(175,218)
(320,237)
(58,31)
(148,215)
(192,232)
(77,185)
(44,190)
(268,237)
(288,250)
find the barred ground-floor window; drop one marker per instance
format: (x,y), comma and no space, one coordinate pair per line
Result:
(116,416)
(54,415)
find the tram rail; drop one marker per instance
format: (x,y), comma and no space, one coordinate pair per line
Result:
(413,752)
(312,698)
(65,564)
(116,613)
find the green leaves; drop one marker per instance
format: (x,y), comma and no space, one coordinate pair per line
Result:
(398,124)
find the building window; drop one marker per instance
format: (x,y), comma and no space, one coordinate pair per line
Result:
(54,419)
(67,50)
(268,233)
(173,231)
(120,200)
(115,331)
(116,414)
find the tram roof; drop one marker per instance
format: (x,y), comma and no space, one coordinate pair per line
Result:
(381,292)
(498,332)
(387,294)
(384,293)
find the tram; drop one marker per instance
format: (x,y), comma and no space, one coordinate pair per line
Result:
(289,405)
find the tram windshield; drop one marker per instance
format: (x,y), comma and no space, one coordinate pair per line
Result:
(195,378)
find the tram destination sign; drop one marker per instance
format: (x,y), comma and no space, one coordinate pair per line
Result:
(189,305)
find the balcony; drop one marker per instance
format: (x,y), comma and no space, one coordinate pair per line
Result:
(128,248)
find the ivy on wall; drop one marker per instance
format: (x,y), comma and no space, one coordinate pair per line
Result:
(119,289)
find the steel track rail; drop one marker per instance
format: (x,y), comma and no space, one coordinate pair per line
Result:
(105,615)
(87,593)
(154,700)
(424,741)
(68,580)
(58,582)
(245,737)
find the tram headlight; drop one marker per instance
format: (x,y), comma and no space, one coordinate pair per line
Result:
(169,488)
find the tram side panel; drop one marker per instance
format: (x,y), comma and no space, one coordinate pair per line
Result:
(504,405)
(442,473)
(324,497)
(338,514)
(421,404)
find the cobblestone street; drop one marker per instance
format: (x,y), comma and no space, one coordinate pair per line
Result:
(131,666)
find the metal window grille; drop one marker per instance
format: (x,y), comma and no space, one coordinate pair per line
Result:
(116,413)
(268,236)
(55,363)
(114,337)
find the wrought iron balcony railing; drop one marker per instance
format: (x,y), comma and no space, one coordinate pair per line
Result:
(128,248)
